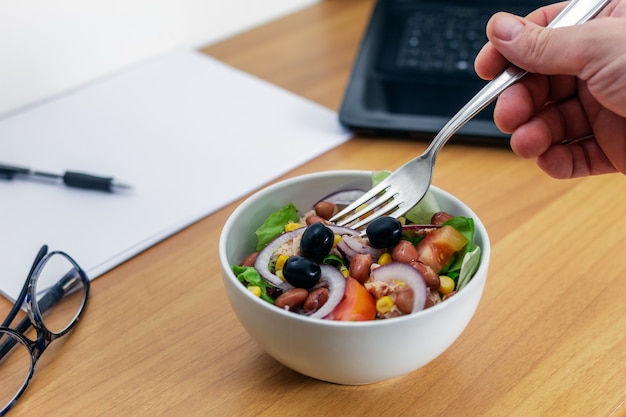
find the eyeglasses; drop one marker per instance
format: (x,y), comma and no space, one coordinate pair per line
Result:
(65,289)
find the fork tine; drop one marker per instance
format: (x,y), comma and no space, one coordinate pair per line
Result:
(384,199)
(366,208)
(390,209)
(357,204)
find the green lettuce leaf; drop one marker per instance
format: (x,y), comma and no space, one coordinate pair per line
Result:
(423,211)
(251,277)
(471,261)
(379,176)
(275,224)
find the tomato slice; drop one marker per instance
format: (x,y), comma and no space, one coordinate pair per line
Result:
(357,304)
(439,245)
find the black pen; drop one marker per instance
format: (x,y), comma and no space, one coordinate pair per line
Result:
(69,178)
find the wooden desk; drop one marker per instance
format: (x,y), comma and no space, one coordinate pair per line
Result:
(548,339)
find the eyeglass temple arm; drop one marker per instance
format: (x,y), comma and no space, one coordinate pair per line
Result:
(20,298)
(53,295)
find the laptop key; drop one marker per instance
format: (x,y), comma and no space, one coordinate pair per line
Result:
(443,39)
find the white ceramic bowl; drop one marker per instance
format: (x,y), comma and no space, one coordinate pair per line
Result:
(351,353)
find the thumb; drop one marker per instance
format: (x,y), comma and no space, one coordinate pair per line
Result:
(536,48)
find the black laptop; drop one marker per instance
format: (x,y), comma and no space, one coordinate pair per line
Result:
(415,68)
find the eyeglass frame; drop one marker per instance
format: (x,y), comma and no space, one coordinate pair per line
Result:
(35,312)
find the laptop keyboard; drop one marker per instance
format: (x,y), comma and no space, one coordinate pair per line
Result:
(442,39)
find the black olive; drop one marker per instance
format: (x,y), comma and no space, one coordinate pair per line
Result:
(384,232)
(317,241)
(301,272)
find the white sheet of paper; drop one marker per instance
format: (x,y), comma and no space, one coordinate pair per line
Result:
(191,135)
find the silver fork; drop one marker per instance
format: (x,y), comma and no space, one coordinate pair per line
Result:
(405,187)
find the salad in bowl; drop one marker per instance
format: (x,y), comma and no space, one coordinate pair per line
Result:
(305,264)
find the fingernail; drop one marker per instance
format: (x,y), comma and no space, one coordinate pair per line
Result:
(506,27)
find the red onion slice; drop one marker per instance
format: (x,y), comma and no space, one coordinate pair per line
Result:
(343,197)
(345,250)
(397,271)
(425,227)
(336,288)
(342,230)
(263,258)
(360,247)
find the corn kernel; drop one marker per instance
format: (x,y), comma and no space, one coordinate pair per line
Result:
(384,304)
(280,261)
(336,240)
(280,275)
(446,285)
(255,290)
(344,271)
(291,226)
(384,259)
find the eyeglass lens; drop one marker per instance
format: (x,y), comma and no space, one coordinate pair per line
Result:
(58,268)
(15,368)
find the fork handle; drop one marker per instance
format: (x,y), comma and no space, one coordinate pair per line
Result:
(576,12)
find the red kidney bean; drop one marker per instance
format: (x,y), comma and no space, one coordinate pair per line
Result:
(326,209)
(440,218)
(315,219)
(450,294)
(404,300)
(360,267)
(249,260)
(315,300)
(291,299)
(431,278)
(404,252)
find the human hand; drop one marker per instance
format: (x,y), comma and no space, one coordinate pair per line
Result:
(569,112)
